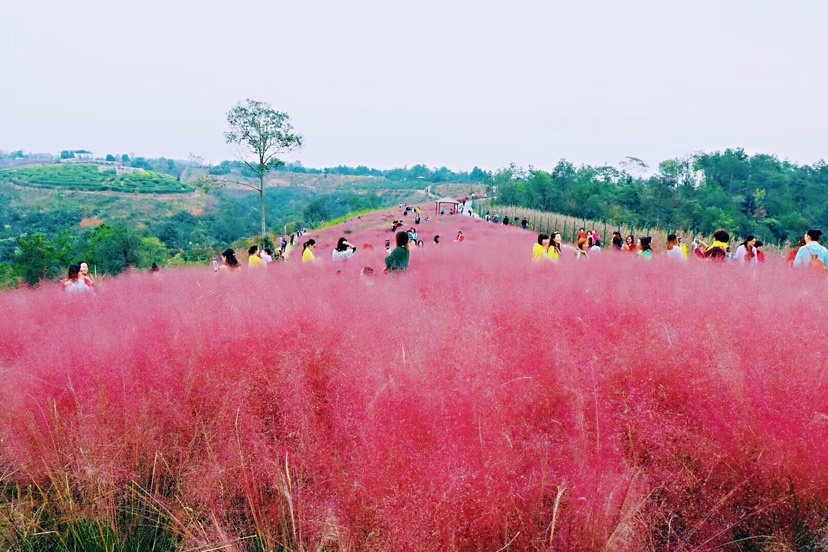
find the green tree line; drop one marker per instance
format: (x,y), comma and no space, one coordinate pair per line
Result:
(40,244)
(746,194)
(415,173)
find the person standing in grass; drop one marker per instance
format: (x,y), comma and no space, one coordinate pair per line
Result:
(746,252)
(629,245)
(539,250)
(85,277)
(793,252)
(307,251)
(229,261)
(554,251)
(344,250)
(760,255)
(254,261)
(718,250)
(267,257)
(646,248)
(812,254)
(674,249)
(74,282)
(397,261)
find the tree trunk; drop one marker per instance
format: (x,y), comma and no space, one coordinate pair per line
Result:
(261,198)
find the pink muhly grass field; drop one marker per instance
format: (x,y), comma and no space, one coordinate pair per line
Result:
(475,401)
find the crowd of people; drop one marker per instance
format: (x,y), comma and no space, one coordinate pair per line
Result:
(810,252)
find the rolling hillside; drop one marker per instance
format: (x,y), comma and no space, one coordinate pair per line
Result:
(93,178)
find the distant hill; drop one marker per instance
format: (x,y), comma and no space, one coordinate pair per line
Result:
(94,178)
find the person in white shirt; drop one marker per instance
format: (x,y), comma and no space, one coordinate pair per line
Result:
(674,249)
(343,251)
(746,253)
(267,257)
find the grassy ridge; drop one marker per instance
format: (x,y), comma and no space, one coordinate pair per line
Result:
(88,178)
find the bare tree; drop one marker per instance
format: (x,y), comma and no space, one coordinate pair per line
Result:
(264,133)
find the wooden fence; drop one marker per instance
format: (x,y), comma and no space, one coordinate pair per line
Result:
(568,227)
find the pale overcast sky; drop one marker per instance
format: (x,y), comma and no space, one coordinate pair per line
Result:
(442,82)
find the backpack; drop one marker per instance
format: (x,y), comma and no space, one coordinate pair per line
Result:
(716,253)
(815,263)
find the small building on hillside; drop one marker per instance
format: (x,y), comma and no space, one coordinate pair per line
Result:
(76,156)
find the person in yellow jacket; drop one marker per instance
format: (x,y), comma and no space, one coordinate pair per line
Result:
(254,260)
(307,251)
(554,251)
(718,250)
(539,249)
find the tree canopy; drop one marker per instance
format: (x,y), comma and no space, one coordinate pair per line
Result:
(264,133)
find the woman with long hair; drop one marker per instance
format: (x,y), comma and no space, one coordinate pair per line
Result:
(307,251)
(746,252)
(629,245)
(646,247)
(554,251)
(228,261)
(343,251)
(397,261)
(74,281)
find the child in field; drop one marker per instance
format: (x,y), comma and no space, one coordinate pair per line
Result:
(460,237)
(794,251)
(760,255)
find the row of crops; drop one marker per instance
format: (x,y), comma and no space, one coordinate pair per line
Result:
(89,178)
